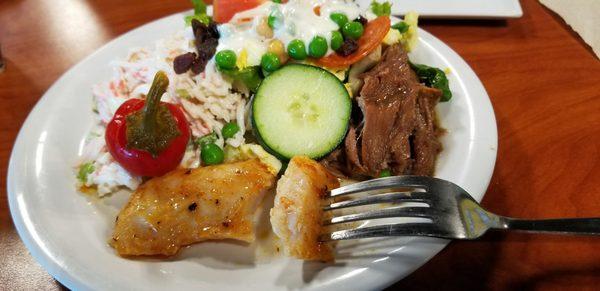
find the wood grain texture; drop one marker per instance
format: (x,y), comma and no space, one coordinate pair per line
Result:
(544,83)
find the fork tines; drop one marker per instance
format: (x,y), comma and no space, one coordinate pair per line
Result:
(379,198)
(387,191)
(400,229)
(407,182)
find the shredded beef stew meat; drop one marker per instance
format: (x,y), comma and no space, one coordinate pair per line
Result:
(397,129)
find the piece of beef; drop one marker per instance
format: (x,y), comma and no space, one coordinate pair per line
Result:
(396,129)
(425,144)
(388,99)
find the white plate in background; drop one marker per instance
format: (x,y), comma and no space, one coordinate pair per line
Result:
(67,233)
(456,8)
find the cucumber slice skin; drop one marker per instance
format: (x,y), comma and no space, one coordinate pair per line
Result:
(286,157)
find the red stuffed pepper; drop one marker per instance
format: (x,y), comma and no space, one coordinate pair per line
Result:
(148,137)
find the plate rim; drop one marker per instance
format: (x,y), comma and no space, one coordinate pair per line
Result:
(460,9)
(69,279)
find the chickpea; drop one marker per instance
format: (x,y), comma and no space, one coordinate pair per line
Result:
(277,47)
(263,28)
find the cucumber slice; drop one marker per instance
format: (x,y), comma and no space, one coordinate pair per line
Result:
(301,110)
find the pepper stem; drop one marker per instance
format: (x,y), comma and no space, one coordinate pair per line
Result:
(153,127)
(150,111)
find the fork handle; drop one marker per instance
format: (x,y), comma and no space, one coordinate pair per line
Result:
(586,226)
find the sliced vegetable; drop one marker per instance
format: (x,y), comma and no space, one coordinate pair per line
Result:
(374,33)
(224,10)
(148,137)
(249,77)
(381,9)
(297,50)
(291,118)
(230,129)
(353,30)
(435,78)
(211,154)
(317,47)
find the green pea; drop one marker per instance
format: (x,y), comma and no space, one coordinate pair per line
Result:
(339,18)
(297,50)
(230,129)
(277,1)
(337,40)
(385,173)
(211,154)
(270,62)
(317,47)
(353,30)
(226,59)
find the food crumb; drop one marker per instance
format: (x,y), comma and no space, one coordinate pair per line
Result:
(192,206)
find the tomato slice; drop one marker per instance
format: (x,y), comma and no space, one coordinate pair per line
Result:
(375,32)
(224,10)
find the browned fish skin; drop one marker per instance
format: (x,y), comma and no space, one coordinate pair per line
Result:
(297,215)
(189,206)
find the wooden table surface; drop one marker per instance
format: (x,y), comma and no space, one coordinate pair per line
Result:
(544,83)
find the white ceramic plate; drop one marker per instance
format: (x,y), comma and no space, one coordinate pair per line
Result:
(66,232)
(456,8)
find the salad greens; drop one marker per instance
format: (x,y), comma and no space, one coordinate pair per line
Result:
(433,77)
(199,7)
(84,171)
(381,9)
(401,26)
(199,13)
(249,76)
(207,139)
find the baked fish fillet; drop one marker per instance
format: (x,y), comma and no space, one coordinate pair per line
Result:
(189,206)
(297,215)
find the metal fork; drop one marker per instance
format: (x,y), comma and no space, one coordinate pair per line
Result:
(454,214)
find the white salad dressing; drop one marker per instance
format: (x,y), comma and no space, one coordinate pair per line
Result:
(296,20)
